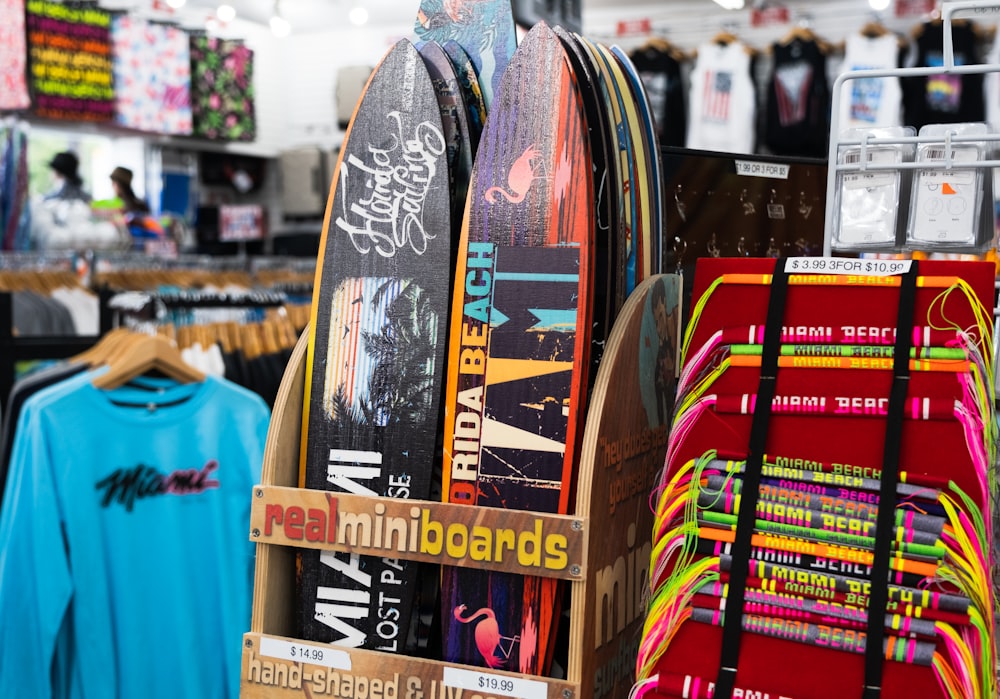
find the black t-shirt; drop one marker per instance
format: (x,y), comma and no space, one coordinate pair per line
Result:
(660,73)
(798,100)
(944,99)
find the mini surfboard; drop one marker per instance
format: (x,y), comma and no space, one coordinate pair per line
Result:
(623,448)
(454,120)
(471,91)
(652,147)
(519,351)
(375,362)
(637,163)
(621,177)
(484,28)
(604,198)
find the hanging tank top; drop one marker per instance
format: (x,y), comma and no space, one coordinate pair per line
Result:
(661,76)
(722,102)
(870,102)
(798,100)
(943,98)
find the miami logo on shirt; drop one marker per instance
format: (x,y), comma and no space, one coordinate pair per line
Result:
(126,485)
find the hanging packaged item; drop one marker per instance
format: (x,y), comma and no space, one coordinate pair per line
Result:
(948,196)
(868,200)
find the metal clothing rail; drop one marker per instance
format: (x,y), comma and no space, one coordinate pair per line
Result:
(949,68)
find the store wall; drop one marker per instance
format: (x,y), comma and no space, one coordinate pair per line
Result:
(688,23)
(309,82)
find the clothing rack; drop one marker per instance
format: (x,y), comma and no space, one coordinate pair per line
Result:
(951,138)
(14,348)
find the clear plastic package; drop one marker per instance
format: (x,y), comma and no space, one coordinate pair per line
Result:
(866,210)
(947,198)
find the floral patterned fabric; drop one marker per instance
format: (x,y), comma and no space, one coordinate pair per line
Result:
(69,53)
(13,56)
(222,94)
(152,65)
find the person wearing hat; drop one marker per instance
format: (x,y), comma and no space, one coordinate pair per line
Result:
(69,185)
(121,182)
(141,225)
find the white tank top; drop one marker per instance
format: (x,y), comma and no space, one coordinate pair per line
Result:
(870,102)
(722,106)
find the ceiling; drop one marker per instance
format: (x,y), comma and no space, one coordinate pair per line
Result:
(321,15)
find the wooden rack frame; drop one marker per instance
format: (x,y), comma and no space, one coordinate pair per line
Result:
(608,554)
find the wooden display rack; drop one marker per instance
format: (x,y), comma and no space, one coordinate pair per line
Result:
(607,570)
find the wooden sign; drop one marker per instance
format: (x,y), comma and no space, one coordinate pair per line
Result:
(69,53)
(623,450)
(527,543)
(279,668)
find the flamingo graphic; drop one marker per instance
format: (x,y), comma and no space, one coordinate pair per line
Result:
(519,179)
(488,638)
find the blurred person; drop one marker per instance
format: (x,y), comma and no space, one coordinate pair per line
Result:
(69,186)
(121,182)
(141,225)
(64,219)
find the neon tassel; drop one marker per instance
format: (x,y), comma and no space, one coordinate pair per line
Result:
(643,687)
(696,312)
(697,362)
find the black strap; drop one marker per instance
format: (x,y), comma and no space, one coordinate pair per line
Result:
(885,521)
(732,625)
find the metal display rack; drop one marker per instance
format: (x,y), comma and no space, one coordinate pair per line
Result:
(951,139)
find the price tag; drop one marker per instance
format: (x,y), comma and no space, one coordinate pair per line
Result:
(838,265)
(498,685)
(750,168)
(327,656)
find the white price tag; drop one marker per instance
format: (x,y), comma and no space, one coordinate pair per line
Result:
(496,685)
(327,656)
(750,168)
(839,265)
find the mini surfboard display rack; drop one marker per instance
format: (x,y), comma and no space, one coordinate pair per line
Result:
(536,455)
(602,549)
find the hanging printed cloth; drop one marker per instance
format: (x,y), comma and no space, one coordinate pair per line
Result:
(722,107)
(13,56)
(945,98)
(69,52)
(15,214)
(152,66)
(222,91)
(660,71)
(868,102)
(798,100)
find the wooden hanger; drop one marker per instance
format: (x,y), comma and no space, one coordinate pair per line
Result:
(873,29)
(725,38)
(97,354)
(803,32)
(798,33)
(658,43)
(148,353)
